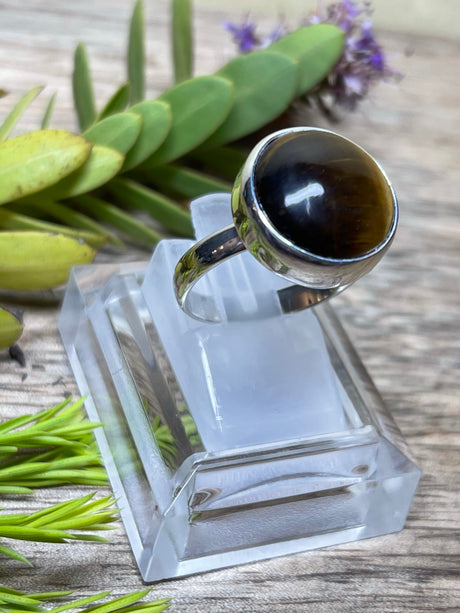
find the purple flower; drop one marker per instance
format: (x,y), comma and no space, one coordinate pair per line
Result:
(362,63)
(244,35)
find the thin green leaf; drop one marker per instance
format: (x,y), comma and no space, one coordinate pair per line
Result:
(119,603)
(75,219)
(34,161)
(164,210)
(156,121)
(182,40)
(82,85)
(15,489)
(199,106)
(118,219)
(119,131)
(14,116)
(80,602)
(17,599)
(225,161)
(315,48)
(16,221)
(136,53)
(185,182)
(265,84)
(102,164)
(48,112)
(116,103)
(23,533)
(11,553)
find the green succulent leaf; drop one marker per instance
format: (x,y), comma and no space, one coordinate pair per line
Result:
(48,112)
(156,119)
(136,53)
(199,106)
(174,217)
(113,215)
(10,220)
(11,328)
(224,161)
(37,160)
(186,182)
(265,84)
(117,103)
(102,164)
(182,40)
(316,49)
(17,112)
(82,85)
(75,219)
(119,131)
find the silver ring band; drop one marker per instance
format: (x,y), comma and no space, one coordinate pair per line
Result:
(309,205)
(211,251)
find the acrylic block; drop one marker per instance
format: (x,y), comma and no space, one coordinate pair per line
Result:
(230,442)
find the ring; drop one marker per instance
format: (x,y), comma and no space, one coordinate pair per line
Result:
(309,205)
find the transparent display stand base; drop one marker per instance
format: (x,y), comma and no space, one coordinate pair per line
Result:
(230,442)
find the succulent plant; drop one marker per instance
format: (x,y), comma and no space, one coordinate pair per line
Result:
(69,194)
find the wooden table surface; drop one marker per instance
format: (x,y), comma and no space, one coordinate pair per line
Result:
(403,318)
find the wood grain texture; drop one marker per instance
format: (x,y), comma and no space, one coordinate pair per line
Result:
(403,318)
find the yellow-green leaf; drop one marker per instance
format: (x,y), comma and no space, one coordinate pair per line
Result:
(34,161)
(265,84)
(198,106)
(37,260)
(119,131)
(315,48)
(102,164)
(11,328)
(156,121)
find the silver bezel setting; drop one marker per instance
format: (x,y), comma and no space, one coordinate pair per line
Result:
(276,252)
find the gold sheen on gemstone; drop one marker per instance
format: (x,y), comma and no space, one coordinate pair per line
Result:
(324,193)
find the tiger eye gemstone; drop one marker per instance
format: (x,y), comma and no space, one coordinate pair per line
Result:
(324,193)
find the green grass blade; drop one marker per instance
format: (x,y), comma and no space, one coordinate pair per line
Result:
(166,211)
(199,106)
(117,103)
(80,602)
(185,182)
(119,131)
(48,112)
(156,121)
(11,553)
(14,116)
(15,489)
(118,603)
(182,40)
(136,53)
(82,85)
(117,218)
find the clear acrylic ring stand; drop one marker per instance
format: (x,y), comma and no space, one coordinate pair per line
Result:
(236,441)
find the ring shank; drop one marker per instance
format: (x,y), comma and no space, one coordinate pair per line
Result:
(206,254)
